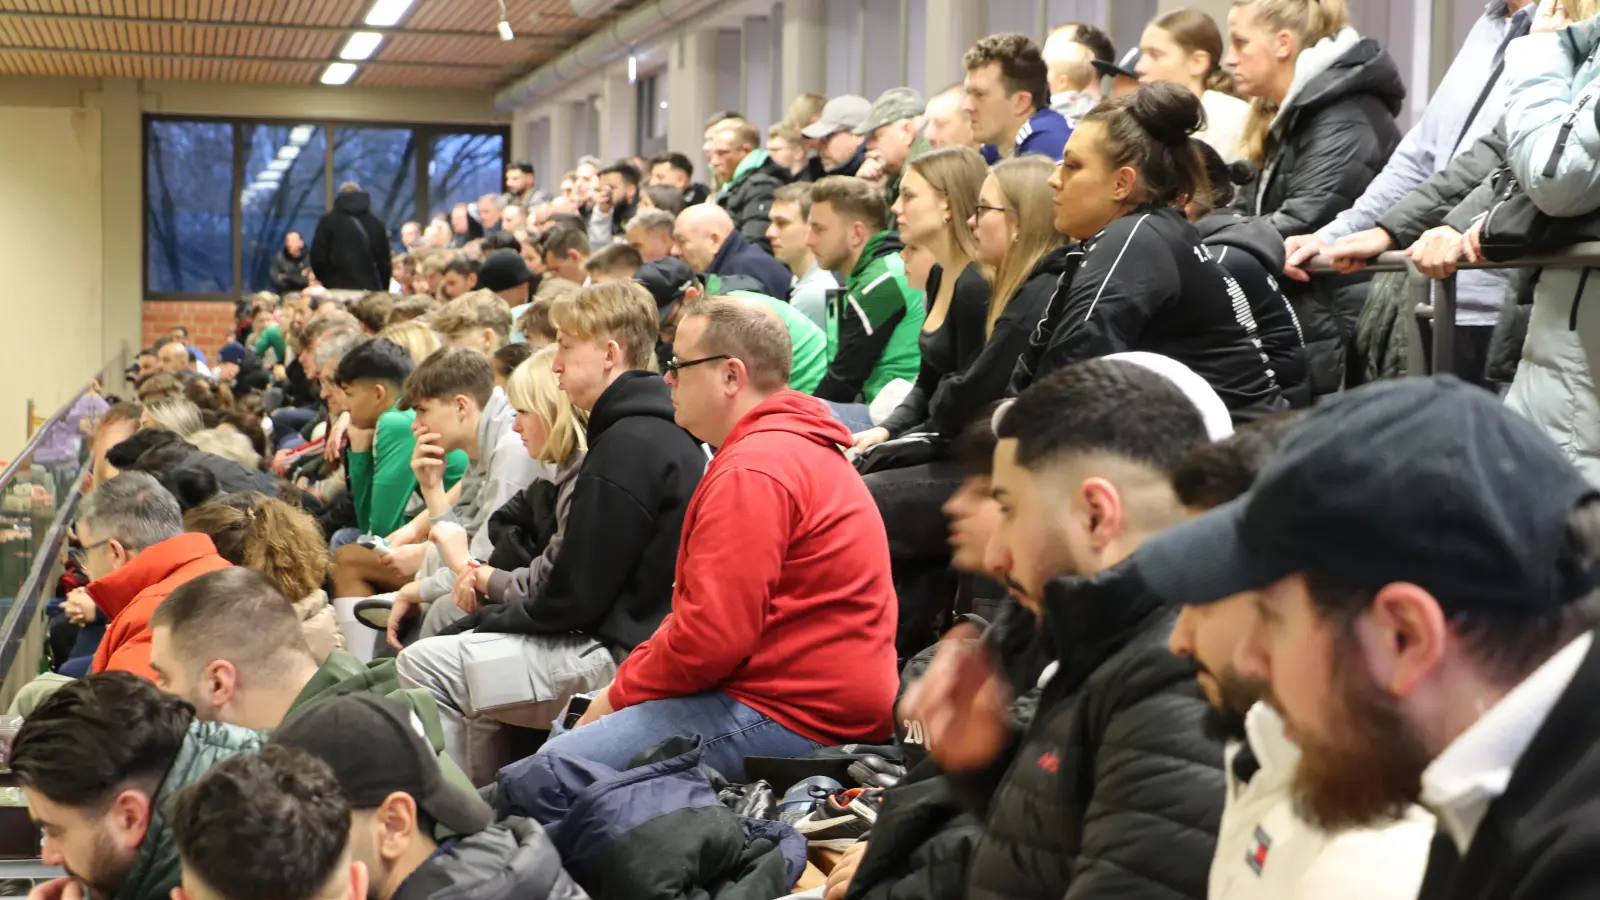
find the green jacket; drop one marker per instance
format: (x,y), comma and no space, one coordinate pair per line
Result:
(808,343)
(873,325)
(156,870)
(343,673)
(272,338)
(381,481)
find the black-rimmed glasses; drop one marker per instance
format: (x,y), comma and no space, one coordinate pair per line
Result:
(983,209)
(673,366)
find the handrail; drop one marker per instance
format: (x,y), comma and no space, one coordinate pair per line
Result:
(25,455)
(26,605)
(1441,307)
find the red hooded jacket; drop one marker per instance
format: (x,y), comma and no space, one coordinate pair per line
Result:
(783,598)
(129,597)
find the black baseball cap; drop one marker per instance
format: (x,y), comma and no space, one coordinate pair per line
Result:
(375,747)
(503,270)
(1429,481)
(1123,68)
(666,279)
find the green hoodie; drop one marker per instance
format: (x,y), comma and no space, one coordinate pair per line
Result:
(156,870)
(381,481)
(755,160)
(874,325)
(343,673)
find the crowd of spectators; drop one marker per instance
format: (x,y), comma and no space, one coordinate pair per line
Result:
(966,496)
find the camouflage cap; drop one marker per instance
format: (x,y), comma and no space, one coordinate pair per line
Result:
(892,106)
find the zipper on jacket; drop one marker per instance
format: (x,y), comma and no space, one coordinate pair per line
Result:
(1572,317)
(1568,122)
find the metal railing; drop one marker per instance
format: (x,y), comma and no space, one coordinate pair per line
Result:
(39,493)
(1437,297)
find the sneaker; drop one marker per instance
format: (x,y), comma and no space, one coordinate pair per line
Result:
(841,819)
(875,771)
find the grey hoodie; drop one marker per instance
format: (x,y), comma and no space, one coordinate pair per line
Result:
(502,468)
(513,860)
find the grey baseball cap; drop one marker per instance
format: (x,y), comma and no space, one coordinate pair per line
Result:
(844,113)
(892,106)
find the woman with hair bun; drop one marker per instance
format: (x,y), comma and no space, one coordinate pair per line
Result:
(1139,278)
(1185,47)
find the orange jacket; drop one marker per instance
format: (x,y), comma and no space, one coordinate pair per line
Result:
(129,596)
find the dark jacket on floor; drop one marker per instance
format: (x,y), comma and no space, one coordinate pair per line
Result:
(513,860)
(1253,253)
(748,200)
(1116,761)
(1538,840)
(1332,136)
(351,248)
(286,272)
(613,578)
(656,831)
(738,256)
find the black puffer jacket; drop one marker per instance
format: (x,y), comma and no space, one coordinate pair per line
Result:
(749,201)
(351,248)
(1114,790)
(1253,254)
(1332,136)
(613,578)
(287,273)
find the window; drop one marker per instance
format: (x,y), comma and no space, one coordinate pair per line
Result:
(189,207)
(221,194)
(650,130)
(284,190)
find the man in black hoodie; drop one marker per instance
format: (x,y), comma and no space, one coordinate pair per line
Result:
(288,267)
(350,250)
(611,585)
(1116,757)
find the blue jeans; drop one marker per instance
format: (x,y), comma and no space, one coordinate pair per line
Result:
(288,421)
(855,416)
(729,729)
(344,536)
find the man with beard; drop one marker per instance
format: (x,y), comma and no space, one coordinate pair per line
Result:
(1115,759)
(1425,565)
(98,761)
(1265,849)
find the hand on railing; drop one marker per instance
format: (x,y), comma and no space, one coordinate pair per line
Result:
(1437,252)
(1352,253)
(1301,250)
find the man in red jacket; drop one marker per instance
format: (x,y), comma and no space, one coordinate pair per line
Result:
(781,636)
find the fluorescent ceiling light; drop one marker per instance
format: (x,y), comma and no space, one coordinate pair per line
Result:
(270,176)
(361,45)
(387,12)
(339,73)
(302,134)
(288,151)
(280,165)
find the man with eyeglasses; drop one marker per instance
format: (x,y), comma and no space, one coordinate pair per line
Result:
(132,546)
(781,637)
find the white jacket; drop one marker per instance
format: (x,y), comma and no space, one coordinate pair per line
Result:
(1267,852)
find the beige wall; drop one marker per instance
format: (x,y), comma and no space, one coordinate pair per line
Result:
(70,182)
(50,187)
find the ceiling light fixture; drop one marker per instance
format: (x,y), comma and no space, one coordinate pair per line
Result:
(288,151)
(633,69)
(339,73)
(302,134)
(361,45)
(504,27)
(270,176)
(280,165)
(386,13)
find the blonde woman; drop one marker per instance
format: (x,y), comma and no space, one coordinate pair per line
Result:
(938,198)
(263,533)
(1321,128)
(415,337)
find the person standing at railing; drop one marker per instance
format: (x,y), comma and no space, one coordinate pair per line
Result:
(1554,152)
(1321,128)
(1465,107)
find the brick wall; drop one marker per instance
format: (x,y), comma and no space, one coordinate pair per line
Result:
(210,322)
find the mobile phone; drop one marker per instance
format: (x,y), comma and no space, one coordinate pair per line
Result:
(576,707)
(375,543)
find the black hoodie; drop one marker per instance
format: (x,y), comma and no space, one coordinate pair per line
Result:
(351,248)
(613,578)
(1252,251)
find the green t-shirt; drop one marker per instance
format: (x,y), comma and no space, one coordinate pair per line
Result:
(272,338)
(381,480)
(808,343)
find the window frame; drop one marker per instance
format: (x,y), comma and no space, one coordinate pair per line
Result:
(424,134)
